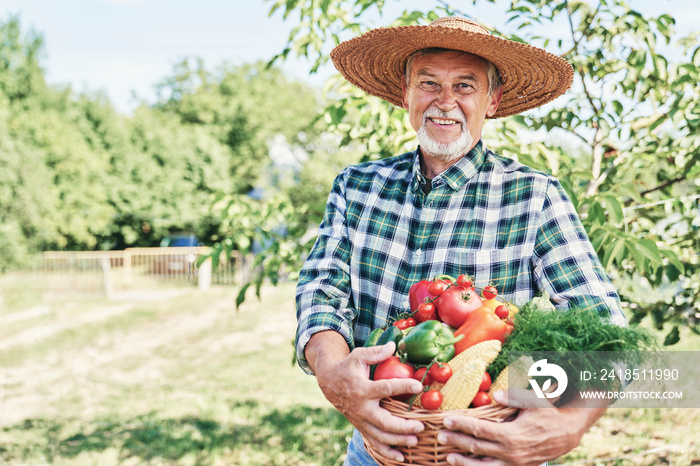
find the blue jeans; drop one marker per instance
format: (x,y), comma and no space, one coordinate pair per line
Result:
(357,453)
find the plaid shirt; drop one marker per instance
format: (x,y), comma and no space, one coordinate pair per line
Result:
(486,216)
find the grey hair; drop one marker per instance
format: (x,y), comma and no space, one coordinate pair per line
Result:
(495,82)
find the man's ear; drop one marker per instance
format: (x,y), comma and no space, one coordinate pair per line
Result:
(404,90)
(495,101)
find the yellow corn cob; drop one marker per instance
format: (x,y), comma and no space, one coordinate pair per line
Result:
(513,376)
(460,390)
(484,351)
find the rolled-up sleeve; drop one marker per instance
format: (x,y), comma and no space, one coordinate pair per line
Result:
(565,263)
(323,290)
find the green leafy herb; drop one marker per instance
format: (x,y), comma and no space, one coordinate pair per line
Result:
(576,330)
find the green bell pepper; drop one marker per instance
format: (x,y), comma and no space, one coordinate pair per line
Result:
(429,341)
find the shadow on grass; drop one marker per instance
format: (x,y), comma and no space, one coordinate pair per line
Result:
(256,435)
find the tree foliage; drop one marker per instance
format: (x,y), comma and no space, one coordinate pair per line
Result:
(624,141)
(77,175)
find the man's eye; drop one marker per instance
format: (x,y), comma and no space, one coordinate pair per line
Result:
(463,88)
(429,86)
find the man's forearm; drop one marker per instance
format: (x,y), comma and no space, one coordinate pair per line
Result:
(326,347)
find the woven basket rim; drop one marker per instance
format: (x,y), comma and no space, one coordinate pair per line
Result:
(428,451)
(375,62)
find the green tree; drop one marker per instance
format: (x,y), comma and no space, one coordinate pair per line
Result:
(52,193)
(75,174)
(624,140)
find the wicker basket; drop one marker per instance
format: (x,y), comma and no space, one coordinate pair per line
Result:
(428,451)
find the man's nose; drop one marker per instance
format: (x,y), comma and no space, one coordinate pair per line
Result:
(446,98)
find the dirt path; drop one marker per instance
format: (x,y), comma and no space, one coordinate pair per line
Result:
(30,389)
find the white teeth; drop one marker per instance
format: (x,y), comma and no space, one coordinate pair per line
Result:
(443,122)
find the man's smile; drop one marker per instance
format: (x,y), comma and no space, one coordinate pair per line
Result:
(443,122)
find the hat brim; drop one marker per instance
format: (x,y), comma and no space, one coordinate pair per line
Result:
(375,62)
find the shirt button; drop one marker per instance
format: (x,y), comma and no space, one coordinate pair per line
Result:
(419,252)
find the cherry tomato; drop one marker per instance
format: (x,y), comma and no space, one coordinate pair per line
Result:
(502,311)
(432,399)
(490,292)
(440,372)
(410,322)
(426,311)
(402,324)
(418,375)
(481,399)
(465,281)
(436,288)
(485,382)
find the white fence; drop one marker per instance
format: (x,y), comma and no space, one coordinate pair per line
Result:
(134,268)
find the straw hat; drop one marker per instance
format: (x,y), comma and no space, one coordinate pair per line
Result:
(375,62)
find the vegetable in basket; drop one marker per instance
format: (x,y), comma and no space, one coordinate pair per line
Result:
(581,331)
(482,325)
(429,341)
(392,333)
(456,303)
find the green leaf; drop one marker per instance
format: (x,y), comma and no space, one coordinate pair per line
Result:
(673,337)
(617,105)
(673,260)
(630,191)
(614,208)
(636,318)
(650,250)
(240,298)
(613,253)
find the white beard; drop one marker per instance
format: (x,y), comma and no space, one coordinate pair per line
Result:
(447,152)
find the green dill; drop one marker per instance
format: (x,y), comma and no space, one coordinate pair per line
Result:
(539,330)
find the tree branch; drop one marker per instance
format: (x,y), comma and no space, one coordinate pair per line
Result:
(663,185)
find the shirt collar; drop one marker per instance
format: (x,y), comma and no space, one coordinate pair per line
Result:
(456,175)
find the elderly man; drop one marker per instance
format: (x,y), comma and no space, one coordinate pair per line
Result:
(452,206)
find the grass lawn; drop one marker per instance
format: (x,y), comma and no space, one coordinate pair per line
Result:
(181,378)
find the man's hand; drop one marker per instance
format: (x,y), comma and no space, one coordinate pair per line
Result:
(535,436)
(344,380)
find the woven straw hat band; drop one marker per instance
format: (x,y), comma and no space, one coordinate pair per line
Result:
(375,62)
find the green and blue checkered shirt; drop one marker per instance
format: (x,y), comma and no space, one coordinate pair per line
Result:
(486,216)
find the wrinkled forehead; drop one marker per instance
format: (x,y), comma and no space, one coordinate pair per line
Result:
(444,60)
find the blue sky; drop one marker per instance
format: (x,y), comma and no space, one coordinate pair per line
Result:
(126,46)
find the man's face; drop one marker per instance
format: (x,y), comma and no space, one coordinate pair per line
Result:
(447,101)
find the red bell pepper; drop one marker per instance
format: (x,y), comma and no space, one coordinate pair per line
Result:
(417,294)
(481,325)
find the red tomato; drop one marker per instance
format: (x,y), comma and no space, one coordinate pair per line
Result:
(501,311)
(418,375)
(485,382)
(481,399)
(402,324)
(432,399)
(456,304)
(490,292)
(440,372)
(411,322)
(465,281)
(393,368)
(426,311)
(437,287)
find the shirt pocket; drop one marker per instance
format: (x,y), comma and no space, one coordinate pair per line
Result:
(507,269)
